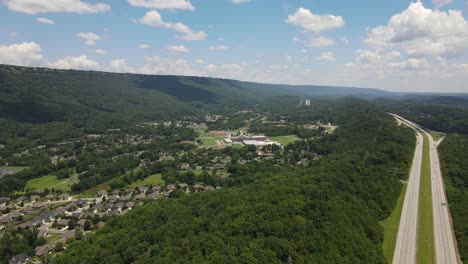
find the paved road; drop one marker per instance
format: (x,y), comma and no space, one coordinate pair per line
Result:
(443,235)
(405,249)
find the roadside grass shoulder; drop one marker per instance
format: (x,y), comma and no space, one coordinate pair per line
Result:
(390,227)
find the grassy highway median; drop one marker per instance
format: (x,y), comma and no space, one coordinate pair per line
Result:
(425,242)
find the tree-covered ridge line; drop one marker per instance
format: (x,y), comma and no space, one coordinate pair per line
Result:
(327,212)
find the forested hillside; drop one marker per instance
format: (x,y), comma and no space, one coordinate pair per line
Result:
(326,212)
(98,99)
(454,157)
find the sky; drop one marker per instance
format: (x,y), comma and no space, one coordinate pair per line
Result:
(397,45)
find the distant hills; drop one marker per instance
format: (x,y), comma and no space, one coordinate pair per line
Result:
(86,98)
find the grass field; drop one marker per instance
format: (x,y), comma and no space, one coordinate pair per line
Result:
(51,181)
(390,227)
(284,140)
(435,135)
(425,241)
(208,142)
(151,180)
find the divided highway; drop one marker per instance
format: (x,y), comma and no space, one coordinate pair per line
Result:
(443,234)
(405,249)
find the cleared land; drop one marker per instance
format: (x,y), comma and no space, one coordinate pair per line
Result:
(155,179)
(390,227)
(425,248)
(285,140)
(435,135)
(51,181)
(208,142)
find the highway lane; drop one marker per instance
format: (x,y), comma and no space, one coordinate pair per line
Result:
(443,232)
(405,249)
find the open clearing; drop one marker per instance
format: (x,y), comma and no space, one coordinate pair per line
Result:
(155,179)
(425,246)
(284,140)
(51,181)
(390,227)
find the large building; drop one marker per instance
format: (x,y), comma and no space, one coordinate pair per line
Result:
(307,102)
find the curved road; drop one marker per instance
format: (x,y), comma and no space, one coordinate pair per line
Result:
(405,249)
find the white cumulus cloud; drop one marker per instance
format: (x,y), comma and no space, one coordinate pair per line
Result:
(153,18)
(420,32)
(317,42)
(78,63)
(24,54)
(441,3)
(326,56)
(305,19)
(218,47)
(55,6)
(177,48)
(45,21)
(162,4)
(89,37)
(144,46)
(101,51)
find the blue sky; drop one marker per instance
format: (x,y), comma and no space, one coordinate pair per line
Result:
(394,45)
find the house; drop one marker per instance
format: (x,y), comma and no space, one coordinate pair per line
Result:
(113,213)
(102,193)
(19,259)
(61,210)
(209,188)
(154,196)
(109,205)
(130,205)
(4,200)
(35,197)
(143,189)
(71,207)
(156,188)
(62,222)
(81,202)
(97,207)
(184,166)
(42,250)
(36,222)
(119,206)
(140,196)
(116,192)
(50,197)
(171,187)
(64,196)
(88,215)
(126,198)
(37,206)
(198,187)
(21,199)
(77,215)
